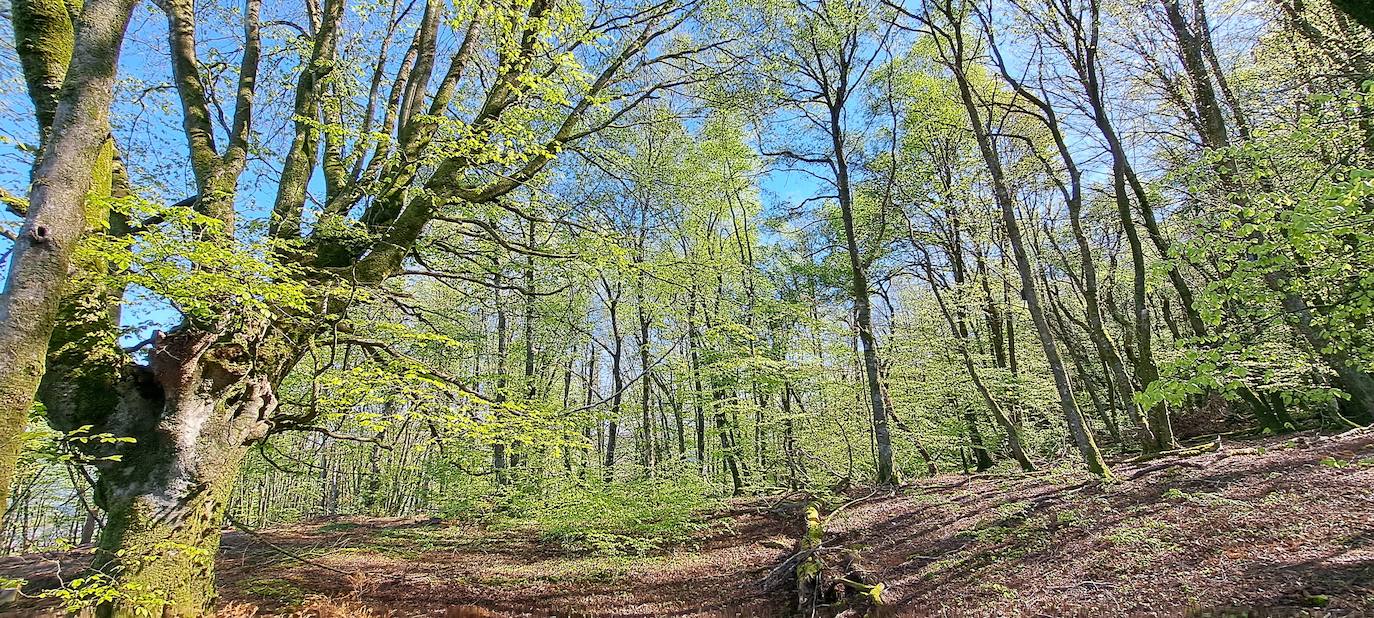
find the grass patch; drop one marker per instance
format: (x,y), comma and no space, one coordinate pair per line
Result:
(413,541)
(997,589)
(584,570)
(275,588)
(631,519)
(1068,518)
(1013,509)
(1202,498)
(1143,541)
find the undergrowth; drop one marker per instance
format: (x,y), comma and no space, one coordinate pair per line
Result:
(634,518)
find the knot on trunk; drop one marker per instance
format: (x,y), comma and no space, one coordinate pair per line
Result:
(39,235)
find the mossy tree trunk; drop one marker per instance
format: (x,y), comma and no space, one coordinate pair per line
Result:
(164,537)
(82,56)
(194,411)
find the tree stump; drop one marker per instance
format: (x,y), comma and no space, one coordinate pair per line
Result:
(828,581)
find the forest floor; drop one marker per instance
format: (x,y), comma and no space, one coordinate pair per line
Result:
(1263,527)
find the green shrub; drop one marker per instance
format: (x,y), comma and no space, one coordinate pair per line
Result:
(630,518)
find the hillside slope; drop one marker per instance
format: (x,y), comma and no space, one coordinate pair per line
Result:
(1281,526)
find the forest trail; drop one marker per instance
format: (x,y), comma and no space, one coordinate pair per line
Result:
(1275,526)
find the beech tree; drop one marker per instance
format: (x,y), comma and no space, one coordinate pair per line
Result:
(831,47)
(69,55)
(599,267)
(945,22)
(450,137)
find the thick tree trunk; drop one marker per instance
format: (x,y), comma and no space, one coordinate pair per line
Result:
(194,412)
(41,258)
(162,536)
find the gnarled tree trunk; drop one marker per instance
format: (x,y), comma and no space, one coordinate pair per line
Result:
(193,412)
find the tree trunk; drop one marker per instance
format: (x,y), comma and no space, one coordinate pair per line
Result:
(982,459)
(194,412)
(789,437)
(617,383)
(1014,441)
(1158,433)
(1357,383)
(1078,429)
(646,456)
(863,310)
(162,536)
(593,379)
(41,258)
(500,458)
(728,445)
(694,365)
(1150,436)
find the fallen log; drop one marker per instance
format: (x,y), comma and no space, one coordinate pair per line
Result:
(1163,466)
(1189,451)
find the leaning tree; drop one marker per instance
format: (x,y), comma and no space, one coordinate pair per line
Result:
(68,54)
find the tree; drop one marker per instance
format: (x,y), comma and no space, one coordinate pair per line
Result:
(831,47)
(69,65)
(945,23)
(937,170)
(254,307)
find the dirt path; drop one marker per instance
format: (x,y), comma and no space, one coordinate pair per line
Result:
(1277,527)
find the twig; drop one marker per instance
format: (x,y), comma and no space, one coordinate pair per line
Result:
(282,550)
(846,505)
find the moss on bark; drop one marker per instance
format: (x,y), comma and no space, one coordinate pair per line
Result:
(162,555)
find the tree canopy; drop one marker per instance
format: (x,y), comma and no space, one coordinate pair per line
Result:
(268,261)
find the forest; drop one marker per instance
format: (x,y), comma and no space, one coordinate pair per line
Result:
(687,307)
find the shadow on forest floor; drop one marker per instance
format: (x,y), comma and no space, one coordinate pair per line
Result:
(1271,527)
